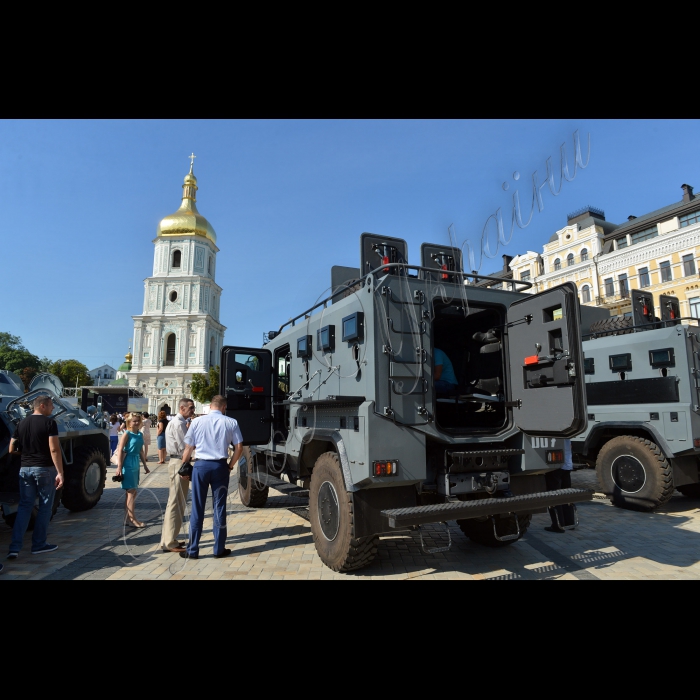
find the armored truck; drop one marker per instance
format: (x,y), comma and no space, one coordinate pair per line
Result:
(84,445)
(343,402)
(642,384)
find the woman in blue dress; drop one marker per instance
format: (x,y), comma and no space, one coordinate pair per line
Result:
(130,452)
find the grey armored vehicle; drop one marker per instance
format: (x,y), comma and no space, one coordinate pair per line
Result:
(642,384)
(84,445)
(342,401)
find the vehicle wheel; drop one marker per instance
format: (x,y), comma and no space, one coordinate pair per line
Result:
(615,325)
(252,493)
(331,518)
(690,490)
(633,473)
(85,479)
(480,530)
(10,519)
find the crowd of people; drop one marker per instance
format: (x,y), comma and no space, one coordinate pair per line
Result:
(180,437)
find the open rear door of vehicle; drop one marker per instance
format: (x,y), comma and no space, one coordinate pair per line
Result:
(546,363)
(246,382)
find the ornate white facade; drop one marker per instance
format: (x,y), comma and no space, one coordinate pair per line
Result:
(179,333)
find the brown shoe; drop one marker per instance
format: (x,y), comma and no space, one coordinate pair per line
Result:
(174,549)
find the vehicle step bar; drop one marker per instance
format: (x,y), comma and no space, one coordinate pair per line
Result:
(463,510)
(280,485)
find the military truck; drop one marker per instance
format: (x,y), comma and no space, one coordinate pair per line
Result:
(642,385)
(84,445)
(342,401)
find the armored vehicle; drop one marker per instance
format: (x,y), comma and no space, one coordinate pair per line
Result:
(84,445)
(342,400)
(642,384)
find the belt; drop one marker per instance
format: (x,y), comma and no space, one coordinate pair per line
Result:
(176,456)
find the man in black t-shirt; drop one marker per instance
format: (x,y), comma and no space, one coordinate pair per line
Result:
(40,474)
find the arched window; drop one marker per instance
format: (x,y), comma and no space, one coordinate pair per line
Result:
(584,255)
(209,265)
(177,257)
(570,259)
(170,350)
(585,294)
(212,349)
(557,264)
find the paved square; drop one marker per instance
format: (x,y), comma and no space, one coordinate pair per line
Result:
(275,543)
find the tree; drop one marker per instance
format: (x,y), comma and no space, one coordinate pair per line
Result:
(71,372)
(10,341)
(205,387)
(27,374)
(16,359)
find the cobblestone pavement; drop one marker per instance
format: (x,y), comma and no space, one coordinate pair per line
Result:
(275,543)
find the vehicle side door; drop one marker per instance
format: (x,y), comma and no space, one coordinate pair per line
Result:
(546,384)
(246,382)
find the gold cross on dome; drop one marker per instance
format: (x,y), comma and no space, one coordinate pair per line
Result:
(192,157)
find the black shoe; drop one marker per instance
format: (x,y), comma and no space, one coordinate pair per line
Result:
(185,555)
(551,528)
(223,554)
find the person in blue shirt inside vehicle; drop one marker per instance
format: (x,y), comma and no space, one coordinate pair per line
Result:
(445,379)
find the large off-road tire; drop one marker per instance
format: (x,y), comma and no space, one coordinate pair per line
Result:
(615,325)
(252,493)
(84,479)
(690,490)
(332,520)
(11,517)
(480,530)
(633,473)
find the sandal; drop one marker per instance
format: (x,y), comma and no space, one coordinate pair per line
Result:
(138,526)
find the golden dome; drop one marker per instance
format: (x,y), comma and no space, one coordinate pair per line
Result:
(187,221)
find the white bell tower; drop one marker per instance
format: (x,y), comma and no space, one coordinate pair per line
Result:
(178,334)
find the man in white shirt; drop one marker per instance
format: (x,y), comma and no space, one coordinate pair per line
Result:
(175,446)
(211,436)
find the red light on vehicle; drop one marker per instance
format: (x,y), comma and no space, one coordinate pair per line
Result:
(258,389)
(645,310)
(532,360)
(673,314)
(384,468)
(444,276)
(385,261)
(555,456)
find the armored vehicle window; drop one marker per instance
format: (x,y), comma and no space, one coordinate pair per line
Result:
(304,347)
(251,361)
(662,358)
(325,339)
(353,327)
(621,363)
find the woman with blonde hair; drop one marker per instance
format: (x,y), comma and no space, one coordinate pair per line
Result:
(162,425)
(130,452)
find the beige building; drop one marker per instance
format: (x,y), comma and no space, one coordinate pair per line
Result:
(657,252)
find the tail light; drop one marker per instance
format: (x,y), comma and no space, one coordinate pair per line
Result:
(385,261)
(555,456)
(444,276)
(385,468)
(258,389)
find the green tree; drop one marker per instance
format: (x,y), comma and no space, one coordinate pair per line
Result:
(16,359)
(10,341)
(205,387)
(71,372)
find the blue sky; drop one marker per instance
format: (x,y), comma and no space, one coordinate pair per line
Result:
(288,199)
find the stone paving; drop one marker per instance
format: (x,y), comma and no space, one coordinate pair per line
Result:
(275,543)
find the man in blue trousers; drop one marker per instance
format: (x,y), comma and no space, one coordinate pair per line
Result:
(210,436)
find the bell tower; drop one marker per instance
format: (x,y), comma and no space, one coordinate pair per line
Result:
(179,333)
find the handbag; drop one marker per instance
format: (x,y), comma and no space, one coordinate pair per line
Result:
(185,470)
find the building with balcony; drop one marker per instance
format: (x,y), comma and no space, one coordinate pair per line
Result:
(657,251)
